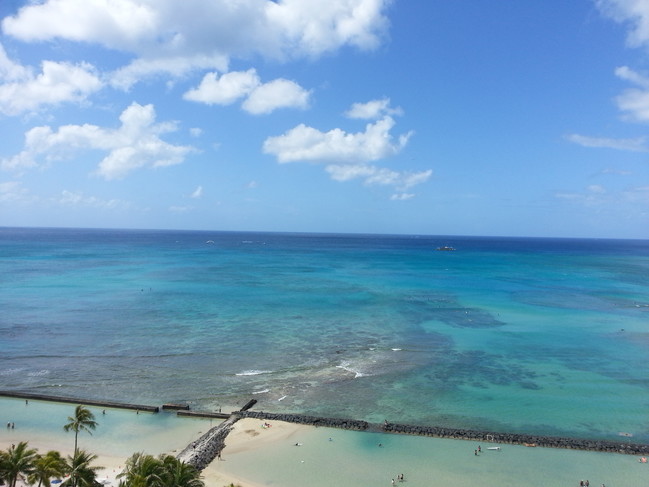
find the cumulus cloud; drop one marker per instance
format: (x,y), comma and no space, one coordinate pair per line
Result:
(304,143)
(348,156)
(21,90)
(160,33)
(224,90)
(135,144)
(634,13)
(10,70)
(638,144)
(279,93)
(259,98)
(372,109)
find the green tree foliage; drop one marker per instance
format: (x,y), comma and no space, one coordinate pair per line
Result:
(17,462)
(164,471)
(46,467)
(81,472)
(83,420)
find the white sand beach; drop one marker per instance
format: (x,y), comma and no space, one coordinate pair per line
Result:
(290,455)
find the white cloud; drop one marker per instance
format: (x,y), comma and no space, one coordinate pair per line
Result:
(171,37)
(372,175)
(260,98)
(638,144)
(639,194)
(11,191)
(9,70)
(401,196)
(195,132)
(198,192)
(596,188)
(21,90)
(224,90)
(346,155)
(135,144)
(632,12)
(279,93)
(635,102)
(307,144)
(70,198)
(372,110)
(175,66)
(594,195)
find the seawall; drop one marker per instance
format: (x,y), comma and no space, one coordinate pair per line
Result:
(459,434)
(85,402)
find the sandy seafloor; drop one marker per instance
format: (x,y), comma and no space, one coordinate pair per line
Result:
(255,456)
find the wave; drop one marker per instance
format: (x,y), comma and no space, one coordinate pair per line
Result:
(348,367)
(263,391)
(254,372)
(38,373)
(11,371)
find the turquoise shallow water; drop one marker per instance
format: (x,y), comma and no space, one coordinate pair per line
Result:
(355,460)
(351,459)
(523,335)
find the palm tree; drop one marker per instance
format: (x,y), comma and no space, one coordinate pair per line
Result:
(16,462)
(83,420)
(141,470)
(165,471)
(179,474)
(47,466)
(82,473)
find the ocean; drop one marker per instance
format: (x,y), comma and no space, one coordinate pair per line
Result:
(522,335)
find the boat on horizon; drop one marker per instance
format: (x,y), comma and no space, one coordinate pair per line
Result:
(445,248)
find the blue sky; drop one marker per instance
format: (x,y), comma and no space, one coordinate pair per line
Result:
(437,117)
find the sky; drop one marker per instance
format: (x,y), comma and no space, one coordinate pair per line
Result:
(427,117)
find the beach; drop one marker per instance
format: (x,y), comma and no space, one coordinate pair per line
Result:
(290,455)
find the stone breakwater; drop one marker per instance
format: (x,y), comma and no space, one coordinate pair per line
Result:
(520,439)
(348,424)
(458,434)
(202,452)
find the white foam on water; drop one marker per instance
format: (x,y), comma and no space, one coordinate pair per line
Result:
(254,372)
(349,368)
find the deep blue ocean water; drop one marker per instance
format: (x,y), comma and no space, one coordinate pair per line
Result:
(547,336)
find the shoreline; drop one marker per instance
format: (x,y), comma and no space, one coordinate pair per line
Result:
(570,443)
(293,455)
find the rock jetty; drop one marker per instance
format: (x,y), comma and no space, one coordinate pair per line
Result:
(202,452)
